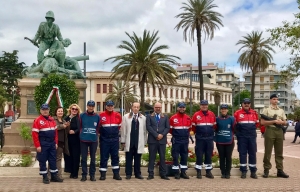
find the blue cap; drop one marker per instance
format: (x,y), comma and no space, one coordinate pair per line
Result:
(181,104)
(110,103)
(204,102)
(91,103)
(246,100)
(224,106)
(45,106)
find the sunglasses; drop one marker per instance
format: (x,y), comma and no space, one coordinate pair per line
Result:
(74,109)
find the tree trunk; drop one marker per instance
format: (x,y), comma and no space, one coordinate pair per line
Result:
(198,29)
(142,90)
(252,89)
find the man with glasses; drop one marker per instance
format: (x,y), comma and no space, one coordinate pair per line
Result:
(109,140)
(274,137)
(45,139)
(247,122)
(89,130)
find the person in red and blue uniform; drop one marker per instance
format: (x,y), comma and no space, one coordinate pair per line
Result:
(180,127)
(225,140)
(203,123)
(109,140)
(247,121)
(45,139)
(89,130)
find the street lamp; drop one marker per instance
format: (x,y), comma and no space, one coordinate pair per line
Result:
(233,85)
(13,100)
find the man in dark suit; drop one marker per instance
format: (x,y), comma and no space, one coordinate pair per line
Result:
(158,126)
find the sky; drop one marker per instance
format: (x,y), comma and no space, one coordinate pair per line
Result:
(102,25)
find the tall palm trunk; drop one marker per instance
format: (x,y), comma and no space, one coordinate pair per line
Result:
(200,62)
(252,88)
(142,89)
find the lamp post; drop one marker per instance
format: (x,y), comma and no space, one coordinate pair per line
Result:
(191,71)
(233,85)
(13,101)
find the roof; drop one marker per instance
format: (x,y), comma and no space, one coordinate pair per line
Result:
(195,68)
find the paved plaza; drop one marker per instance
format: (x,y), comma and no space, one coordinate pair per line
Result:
(291,163)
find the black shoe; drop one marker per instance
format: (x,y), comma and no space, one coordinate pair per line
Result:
(282,174)
(199,175)
(83,178)
(223,176)
(177,176)
(165,177)
(209,175)
(92,178)
(184,175)
(266,173)
(244,175)
(74,177)
(150,177)
(128,176)
(253,175)
(293,142)
(55,178)
(71,176)
(117,176)
(103,176)
(46,180)
(227,176)
(139,177)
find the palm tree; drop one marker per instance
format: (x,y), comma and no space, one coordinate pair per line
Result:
(120,88)
(198,15)
(144,62)
(255,56)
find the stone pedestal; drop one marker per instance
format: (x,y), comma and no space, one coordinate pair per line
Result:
(13,142)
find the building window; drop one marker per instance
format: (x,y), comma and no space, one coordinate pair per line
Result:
(271,78)
(181,94)
(261,87)
(166,93)
(198,95)
(171,93)
(148,91)
(110,88)
(210,97)
(104,88)
(159,92)
(166,108)
(188,94)
(227,77)
(154,92)
(261,95)
(98,106)
(229,98)
(98,88)
(222,98)
(262,79)
(176,94)
(206,96)
(225,98)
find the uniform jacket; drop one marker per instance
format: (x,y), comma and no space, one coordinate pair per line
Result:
(63,134)
(110,124)
(225,129)
(247,122)
(203,124)
(44,33)
(154,128)
(44,131)
(126,130)
(89,127)
(180,127)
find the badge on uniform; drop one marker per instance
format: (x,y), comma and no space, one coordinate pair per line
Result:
(199,117)
(95,123)
(103,119)
(229,126)
(42,122)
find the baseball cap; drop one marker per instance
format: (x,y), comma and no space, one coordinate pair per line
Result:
(181,104)
(224,106)
(203,102)
(45,106)
(110,103)
(91,103)
(246,100)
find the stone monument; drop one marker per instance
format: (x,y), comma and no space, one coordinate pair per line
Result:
(48,37)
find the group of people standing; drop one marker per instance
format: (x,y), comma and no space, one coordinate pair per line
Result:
(79,132)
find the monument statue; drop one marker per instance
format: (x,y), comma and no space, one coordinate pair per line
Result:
(56,60)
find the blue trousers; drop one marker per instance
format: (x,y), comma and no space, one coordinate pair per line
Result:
(48,153)
(247,145)
(182,150)
(204,147)
(85,147)
(112,149)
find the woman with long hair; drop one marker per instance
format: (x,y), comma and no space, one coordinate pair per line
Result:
(72,161)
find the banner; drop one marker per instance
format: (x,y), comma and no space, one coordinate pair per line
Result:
(58,96)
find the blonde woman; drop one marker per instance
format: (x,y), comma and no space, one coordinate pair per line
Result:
(72,161)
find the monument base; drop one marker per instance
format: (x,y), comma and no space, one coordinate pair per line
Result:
(13,143)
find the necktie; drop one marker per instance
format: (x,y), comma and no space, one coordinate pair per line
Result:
(135,118)
(157,118)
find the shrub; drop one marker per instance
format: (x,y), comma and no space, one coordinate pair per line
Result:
(26,160)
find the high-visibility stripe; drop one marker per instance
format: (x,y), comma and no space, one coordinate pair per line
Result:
(35,130)
(198,166)
(193,123)
(243,165)
(43,172)
(208,166)
(181,127)
(183,166)
(175,167)
(53,171)
(203,124)
(242,122)
(102,169)
(115,167)
(252,165)
(48,129)
(110,125)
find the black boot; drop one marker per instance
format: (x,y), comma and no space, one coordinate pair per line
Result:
(266,173)
(46,179)
(199,175)
(177,176)
(184,175)
(55,178)
(253,175)
(83,178)
(92,178)
(244,175)
(117,176)
(282,174)
(223,174)
(209,175)
(103,175)
(227,174)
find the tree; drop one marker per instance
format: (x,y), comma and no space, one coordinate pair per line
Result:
(287,38)
(144,62)
(255,55)
(119,89)
(198,15)
(11,70)
(242,95)
(3,99)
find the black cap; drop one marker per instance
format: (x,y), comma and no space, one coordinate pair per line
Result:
(273,96)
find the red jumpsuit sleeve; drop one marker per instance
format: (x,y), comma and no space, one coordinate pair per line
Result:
(56,136)
(190,124)
(171,125)
(120,120)
(214,121)
(35,134)
(256,120)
